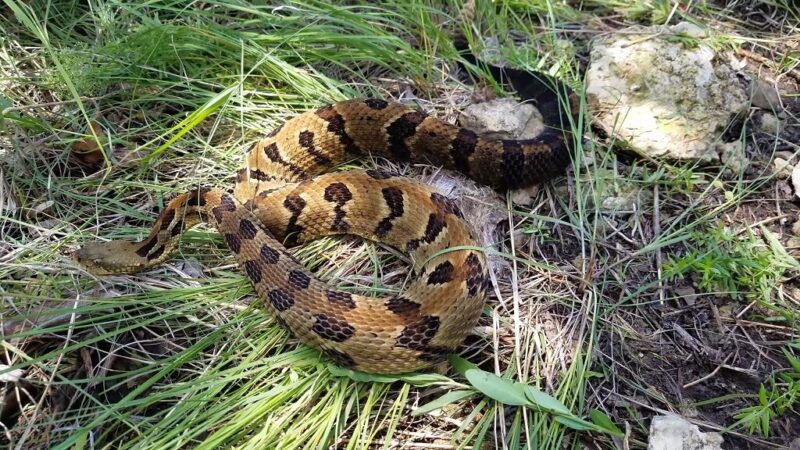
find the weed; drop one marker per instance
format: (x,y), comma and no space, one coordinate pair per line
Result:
(780,398)
(740,265)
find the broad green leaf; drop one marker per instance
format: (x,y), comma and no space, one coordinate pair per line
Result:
(496,388)
(546,401)
(600,419)
(513,393)
(575,423)
(460,364)
(446,399)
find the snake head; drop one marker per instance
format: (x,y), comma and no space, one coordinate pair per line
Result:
(111,258)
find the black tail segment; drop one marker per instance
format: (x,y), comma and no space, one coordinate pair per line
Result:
(557,103)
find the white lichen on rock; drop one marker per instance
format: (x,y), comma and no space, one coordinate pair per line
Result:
(665,95)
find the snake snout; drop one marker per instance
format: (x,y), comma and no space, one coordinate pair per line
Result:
(110,258)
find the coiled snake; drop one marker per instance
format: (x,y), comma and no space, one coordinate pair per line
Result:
(280,197)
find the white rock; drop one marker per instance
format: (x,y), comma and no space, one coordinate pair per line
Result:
(675,433)
(663,98)
(623,204)
(12,376)
(503,118)
(796,180)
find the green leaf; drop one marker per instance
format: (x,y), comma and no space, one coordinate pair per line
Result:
(496,388)
(795,362)
(425,379)
(778,248)
(575,423)
(355,375)
(546,401)
(600,419)
(762,395)
(446,399)
(81,442)
(513,393)
(490,385)
(460,364)
(197,116)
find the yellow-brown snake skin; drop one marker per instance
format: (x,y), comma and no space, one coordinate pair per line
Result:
(281,198)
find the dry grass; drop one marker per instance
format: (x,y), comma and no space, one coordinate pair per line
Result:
(682,304)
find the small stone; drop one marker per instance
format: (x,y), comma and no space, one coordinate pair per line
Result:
(764,95)
(626,199)
(796,228)
(793,246)
(796,180)
(524,196)
(770,124)
(781,168)
(619,205)
(687,293)
(191,268)
(521,238)
(674,432)
(732,155)
(10,376)
(503,118)
(728,310)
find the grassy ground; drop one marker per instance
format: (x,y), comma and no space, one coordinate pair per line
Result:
(686,304)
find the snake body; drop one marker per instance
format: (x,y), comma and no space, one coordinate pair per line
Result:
(283,196)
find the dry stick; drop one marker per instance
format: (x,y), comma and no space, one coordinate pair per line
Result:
(794,73)
(515,294)
(656,235)
(766,221)
(755,346)
(710,375)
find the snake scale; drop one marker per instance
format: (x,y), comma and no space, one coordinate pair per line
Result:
(283,197)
